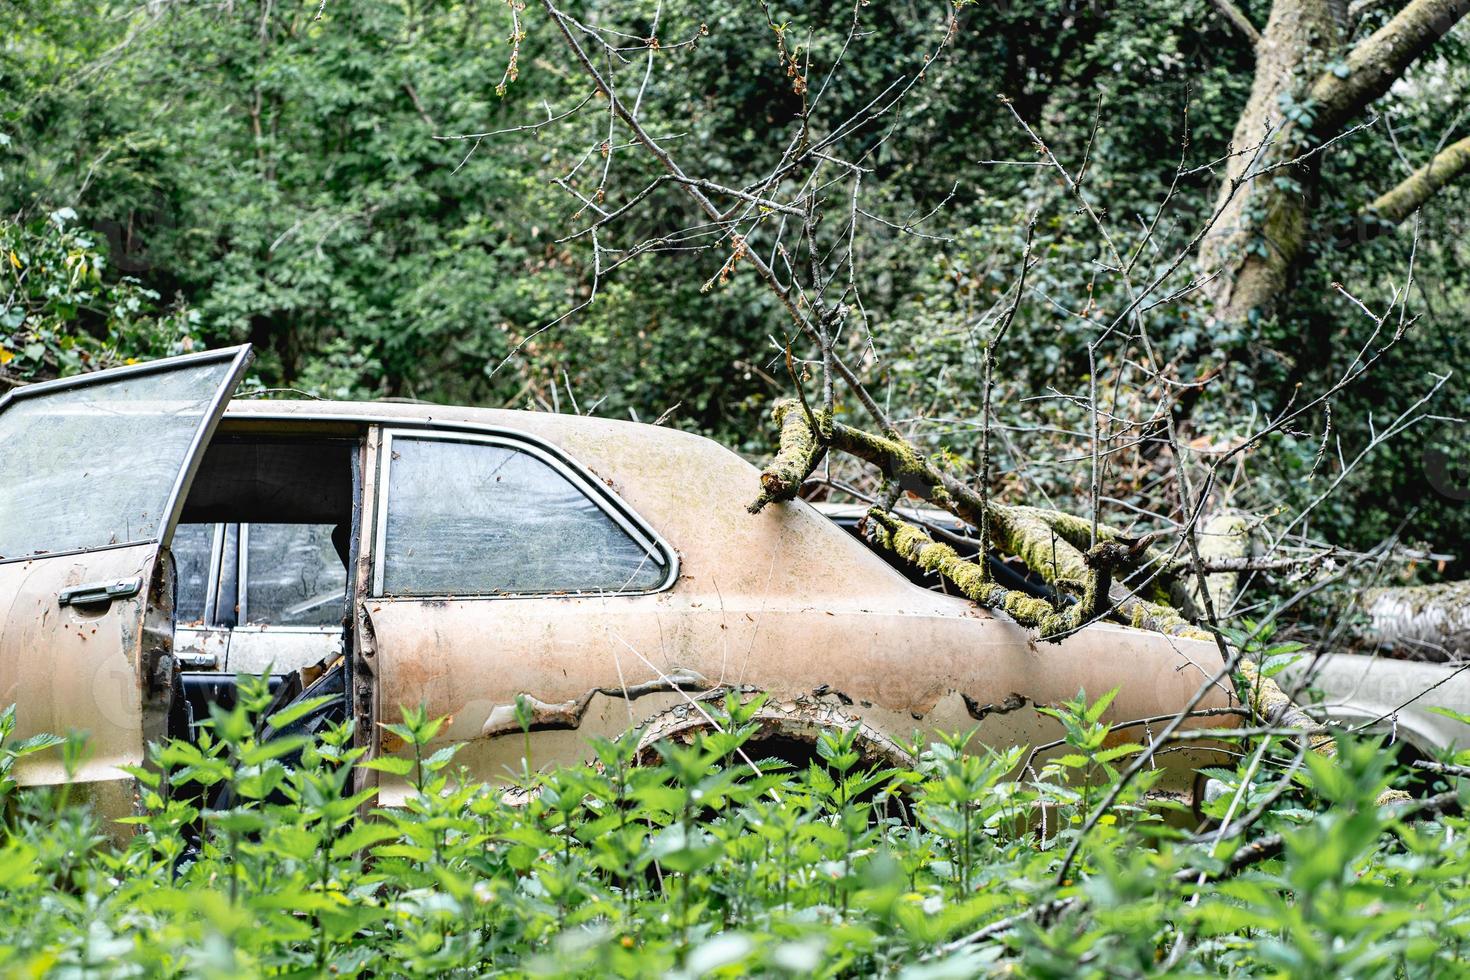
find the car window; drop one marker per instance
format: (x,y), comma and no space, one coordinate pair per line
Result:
(226,606)
(193,548)
(473,518)
(95,465)
(293,575)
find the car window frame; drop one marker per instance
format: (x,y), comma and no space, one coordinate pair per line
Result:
(238,359)
(611,506)
(212,585)
(216,595)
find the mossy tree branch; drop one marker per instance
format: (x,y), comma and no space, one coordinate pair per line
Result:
(1049,622)
(801,449)
(1050,543)
(1238,20)
(1379,60)
(1395,206)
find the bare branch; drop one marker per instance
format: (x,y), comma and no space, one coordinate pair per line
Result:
(1238,20)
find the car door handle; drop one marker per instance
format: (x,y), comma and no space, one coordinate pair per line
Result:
(98,592)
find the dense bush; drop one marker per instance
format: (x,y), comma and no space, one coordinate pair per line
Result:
(63,313)
(713,864)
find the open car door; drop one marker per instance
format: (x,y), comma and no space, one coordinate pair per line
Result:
(93,472)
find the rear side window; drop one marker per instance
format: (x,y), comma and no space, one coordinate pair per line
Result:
(95,465)
(488,518)
(294,575)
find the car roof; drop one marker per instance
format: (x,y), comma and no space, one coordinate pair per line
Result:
(415,411)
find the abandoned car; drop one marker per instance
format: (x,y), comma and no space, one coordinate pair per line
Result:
(157,538)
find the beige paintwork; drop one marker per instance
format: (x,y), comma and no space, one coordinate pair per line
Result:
(74,668)
(784,602)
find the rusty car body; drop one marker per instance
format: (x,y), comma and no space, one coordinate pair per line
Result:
(604,572)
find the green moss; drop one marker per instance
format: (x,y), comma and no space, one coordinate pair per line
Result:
(799,451)
(1026,609)
(1020,531)
(898,460)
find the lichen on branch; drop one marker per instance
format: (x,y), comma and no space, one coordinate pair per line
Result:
(802,446)
(1050,622)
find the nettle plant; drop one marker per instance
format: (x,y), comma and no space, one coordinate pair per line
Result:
(252,855)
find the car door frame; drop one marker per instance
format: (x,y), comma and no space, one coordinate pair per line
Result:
(135,623)
(368,595)
(240,355)
(583,481)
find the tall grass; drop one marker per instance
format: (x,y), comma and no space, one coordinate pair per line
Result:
(256,858)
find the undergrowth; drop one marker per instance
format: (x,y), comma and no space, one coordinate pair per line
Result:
(255,857)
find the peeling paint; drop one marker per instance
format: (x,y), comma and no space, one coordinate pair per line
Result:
(1011,702)
(827,689)
(568,714)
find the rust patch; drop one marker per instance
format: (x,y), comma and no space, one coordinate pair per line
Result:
(826,689)
(1011,702)
(802,719)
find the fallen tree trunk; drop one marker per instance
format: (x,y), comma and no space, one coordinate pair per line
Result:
(1225,535)
(1426,622)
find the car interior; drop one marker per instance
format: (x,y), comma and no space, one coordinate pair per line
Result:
(260,557)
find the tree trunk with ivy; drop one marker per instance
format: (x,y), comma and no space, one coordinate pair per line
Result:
(1309,88)
(1262,224)
(1312,84)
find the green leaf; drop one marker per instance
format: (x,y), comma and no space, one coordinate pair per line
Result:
(361,837)
(299,710)
(1099,706)
(1459,716)
(392,764)
(273,749)
(1119,751)
(35,743)
(1276,663)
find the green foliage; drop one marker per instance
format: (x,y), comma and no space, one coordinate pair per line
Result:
(62,314)
(257,857)
(280,172)
(280,175)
